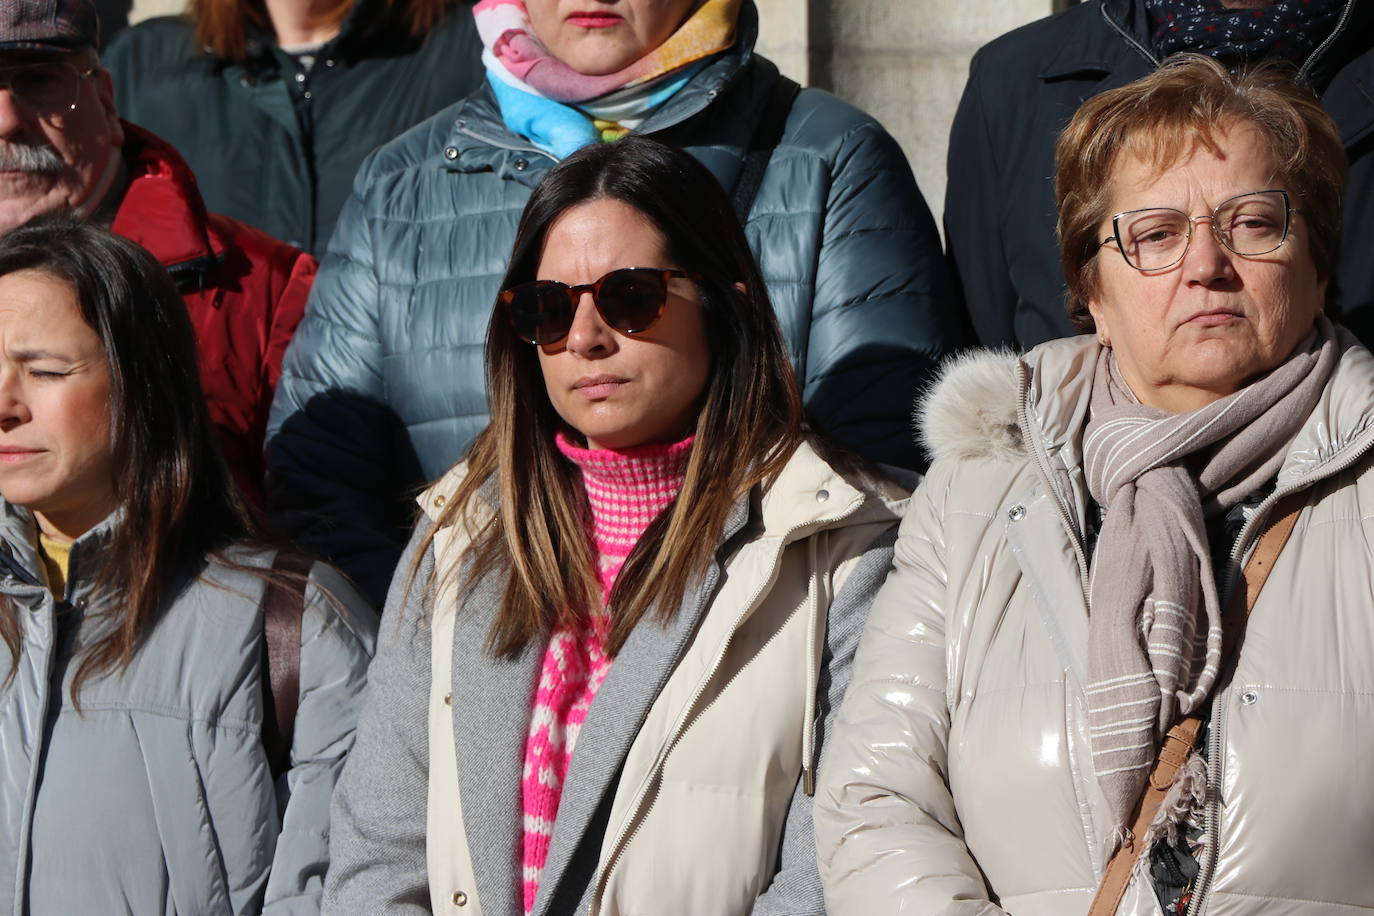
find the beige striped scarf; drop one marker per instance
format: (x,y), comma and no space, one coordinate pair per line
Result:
(1155,633)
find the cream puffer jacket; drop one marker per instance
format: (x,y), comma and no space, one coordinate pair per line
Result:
(959,777)
(701,740)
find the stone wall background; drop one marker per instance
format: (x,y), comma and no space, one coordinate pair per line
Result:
(903,61)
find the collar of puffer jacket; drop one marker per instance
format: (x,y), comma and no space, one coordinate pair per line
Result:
(972,411)
(480,141)
(807,493)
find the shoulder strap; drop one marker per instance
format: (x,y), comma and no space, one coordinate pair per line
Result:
(1179,741)
(283,605)
(767,134)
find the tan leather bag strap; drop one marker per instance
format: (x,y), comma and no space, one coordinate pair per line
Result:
(1178,742)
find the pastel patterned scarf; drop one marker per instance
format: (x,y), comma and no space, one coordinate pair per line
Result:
(1155,625)
(550,103)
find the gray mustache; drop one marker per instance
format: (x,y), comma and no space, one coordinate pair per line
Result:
(22,157)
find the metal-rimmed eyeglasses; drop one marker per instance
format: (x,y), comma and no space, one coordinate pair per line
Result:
(1157,238)
(45,87)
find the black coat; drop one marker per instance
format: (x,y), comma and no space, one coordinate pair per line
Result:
(1025,86)
(280,153)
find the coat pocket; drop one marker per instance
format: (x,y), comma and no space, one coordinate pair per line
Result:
(712,852)
(195,864)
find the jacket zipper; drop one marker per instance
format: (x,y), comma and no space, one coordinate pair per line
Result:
(1212,817)
(1306,68)
(1130,39)
(627,833)
(1023,420)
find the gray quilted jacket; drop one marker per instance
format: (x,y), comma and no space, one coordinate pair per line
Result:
(156,797)
(383,387)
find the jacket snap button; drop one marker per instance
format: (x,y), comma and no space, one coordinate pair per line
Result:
(439,501)
(307,95)
(521,165)
(247,82)
(451,153)
(460,898)
(1249,698)
(1016,513)
(329,63)
(822,495)
(448,699)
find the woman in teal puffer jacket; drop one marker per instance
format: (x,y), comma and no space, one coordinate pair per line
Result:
(383,384)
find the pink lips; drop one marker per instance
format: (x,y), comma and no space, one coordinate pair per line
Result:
(1213,319)
(11,454)
(596,387)
(594,20)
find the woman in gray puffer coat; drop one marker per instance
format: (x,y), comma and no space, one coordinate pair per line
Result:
(136,771)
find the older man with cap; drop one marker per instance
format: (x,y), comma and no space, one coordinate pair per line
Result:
(63,147)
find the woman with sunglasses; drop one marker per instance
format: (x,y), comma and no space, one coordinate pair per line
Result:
(1124,663)
(383,383)
(609,658)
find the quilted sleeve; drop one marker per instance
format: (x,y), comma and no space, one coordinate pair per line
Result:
(333,473)
(880,319)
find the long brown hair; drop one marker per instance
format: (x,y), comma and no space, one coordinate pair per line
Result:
(749,423)
(178,501)
(222,25)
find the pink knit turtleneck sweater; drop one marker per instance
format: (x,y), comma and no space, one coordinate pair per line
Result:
(626,490)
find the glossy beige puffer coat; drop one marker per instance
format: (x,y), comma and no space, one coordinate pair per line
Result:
(959,778)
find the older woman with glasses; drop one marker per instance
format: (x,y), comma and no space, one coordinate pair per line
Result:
(1125,660)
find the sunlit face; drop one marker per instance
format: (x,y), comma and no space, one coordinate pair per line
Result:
(55,447)
(69,149)
(621,391)
(1204,328)
(596,37)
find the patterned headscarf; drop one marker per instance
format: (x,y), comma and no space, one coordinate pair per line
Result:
(1287,30)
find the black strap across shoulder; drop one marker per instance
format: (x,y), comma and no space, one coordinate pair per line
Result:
(767,135)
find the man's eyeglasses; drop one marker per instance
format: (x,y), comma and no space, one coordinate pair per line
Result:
(630,300)
(45,87)
(1157,238)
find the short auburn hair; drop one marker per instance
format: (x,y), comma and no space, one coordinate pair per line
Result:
(1162,119)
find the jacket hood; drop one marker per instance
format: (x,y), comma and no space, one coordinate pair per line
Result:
(972,411)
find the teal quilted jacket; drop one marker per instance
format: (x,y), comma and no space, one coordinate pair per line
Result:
(383,388)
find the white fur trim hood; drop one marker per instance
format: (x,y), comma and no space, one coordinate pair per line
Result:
(970,412)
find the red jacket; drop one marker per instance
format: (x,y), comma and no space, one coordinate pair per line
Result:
(245,291)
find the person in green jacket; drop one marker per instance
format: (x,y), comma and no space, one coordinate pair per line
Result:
(383,385)
(274,105)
